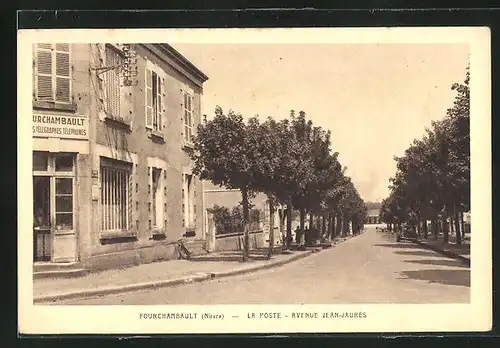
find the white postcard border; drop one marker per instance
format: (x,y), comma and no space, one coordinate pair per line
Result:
(476,316)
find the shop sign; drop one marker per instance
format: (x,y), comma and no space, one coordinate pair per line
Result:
(58,126)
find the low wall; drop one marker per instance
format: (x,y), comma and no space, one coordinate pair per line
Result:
(158,252)
(234,241)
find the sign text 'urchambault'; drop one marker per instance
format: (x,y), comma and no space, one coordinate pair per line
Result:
(57,126)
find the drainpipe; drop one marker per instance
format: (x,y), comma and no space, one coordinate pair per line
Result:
(92,120)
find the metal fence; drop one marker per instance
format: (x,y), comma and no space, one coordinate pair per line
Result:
(234,223)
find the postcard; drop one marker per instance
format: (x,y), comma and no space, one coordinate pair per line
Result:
(292,180)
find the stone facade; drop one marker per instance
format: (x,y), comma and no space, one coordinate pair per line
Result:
(133,192)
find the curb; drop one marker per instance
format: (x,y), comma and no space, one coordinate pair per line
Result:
(165,283)
(261,267)
(443,251)
(122,289)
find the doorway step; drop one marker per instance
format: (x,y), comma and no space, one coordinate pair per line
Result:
(58,270)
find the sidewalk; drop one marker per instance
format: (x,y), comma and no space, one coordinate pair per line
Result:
(158,274)
(164,273)
(450,249)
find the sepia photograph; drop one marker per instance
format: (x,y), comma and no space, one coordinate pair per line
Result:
(223,180)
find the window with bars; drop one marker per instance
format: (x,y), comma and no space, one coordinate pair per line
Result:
(113,61)
(155,94)
(53,73)
(188,117)
(115,196)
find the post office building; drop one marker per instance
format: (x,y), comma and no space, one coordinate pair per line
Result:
(112,182)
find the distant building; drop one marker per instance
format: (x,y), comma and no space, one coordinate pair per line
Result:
(373,217)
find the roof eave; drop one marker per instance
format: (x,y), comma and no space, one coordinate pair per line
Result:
(183,61)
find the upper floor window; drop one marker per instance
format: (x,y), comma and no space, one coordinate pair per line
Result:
(53,73)
(154,100)
(114,62)
(188,117)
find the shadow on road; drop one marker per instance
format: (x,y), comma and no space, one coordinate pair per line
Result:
(236,258)
(448,277)
(400,246)
(417,253)
(439,262)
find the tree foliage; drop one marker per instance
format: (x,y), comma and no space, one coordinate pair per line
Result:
(289,160)
(432,181)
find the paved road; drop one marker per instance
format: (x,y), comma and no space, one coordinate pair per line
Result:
(370,268)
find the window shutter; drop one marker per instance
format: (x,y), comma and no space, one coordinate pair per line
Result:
(190,102)
(112,83)
(43,64)
(183,97)
(160,102)
(184,215)
(63,73)
(149,99)
(190,98)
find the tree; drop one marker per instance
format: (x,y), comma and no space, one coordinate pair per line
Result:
(284,165)
(432,180)
(302,133)
(288,160)
(222,153)
(222,216)
(268,150)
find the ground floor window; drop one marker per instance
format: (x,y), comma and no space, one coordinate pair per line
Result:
(188,200)
(157,197)
(115,194)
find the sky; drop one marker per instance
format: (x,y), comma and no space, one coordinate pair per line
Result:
(374,98)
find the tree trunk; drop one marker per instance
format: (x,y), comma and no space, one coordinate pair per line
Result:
(288,240)
(309,234)
(446,231)
(288,226)
(332,232)
(345,228)
(338,229)
(458,233)
(425,229)
(419,231)
(435,228)
(302,218)
(271,227)
(246,219)
(452,226)
(323,227)
(282,225)
(329,231)
(462,224)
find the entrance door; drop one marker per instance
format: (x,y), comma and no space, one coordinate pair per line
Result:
(42,237)
(53,197)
